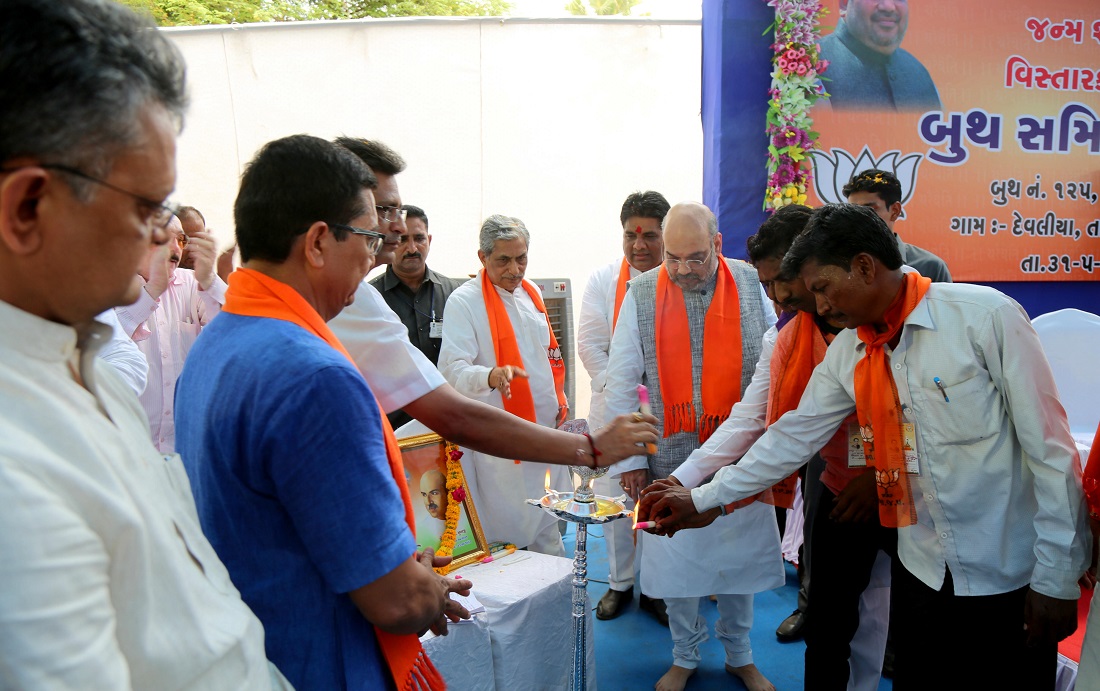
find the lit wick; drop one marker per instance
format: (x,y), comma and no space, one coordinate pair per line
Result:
(546,486)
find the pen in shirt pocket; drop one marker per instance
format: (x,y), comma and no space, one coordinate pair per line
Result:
(939,385)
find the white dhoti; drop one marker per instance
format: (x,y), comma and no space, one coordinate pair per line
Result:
(737,554)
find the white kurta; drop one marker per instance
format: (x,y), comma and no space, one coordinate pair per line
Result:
(738,553)
(594,333)
(108,580)
(123,354)
(396,370)
(593,347)
(499,486)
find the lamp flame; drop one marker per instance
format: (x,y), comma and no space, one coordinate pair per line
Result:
(546,484)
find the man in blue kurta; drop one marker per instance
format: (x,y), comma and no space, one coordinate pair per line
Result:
(292,463)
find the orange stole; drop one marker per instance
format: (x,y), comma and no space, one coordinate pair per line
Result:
(721,376)
(620,291)
(506,347)
(798,349)
(253,294)
(879,410)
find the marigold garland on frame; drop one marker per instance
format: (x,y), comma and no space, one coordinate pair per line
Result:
(456,493)
(796,86)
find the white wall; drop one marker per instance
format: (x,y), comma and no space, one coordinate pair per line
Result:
(553,121)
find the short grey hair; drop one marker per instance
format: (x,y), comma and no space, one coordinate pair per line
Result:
(74,76)
(498,227)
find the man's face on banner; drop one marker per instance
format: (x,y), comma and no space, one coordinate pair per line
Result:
(878,24)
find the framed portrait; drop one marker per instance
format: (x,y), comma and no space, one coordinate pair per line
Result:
(444,511)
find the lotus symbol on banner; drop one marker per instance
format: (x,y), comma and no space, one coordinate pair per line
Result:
(835,168)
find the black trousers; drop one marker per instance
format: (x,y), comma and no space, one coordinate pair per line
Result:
(843,556)
(945,642)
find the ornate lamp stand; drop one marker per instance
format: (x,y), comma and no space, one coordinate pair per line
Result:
(581,507)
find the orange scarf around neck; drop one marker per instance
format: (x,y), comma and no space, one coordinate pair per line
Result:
(506,348)
(879,410)
(620,292)
(721,377)
(798,349)
(253,294)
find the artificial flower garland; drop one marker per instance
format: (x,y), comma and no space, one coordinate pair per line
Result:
(456,491)
(796,86)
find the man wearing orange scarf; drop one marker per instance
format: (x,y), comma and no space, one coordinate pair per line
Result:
(691,330)
(295,470)
(850,580)
(498,348)
(643,249)
(403,379)
(973,457)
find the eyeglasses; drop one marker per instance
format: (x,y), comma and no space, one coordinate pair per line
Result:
(691,263)
(390,214)
(159,213)
(374,238)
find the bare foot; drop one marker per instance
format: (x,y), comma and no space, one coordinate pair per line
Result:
(676,678)
(751,676)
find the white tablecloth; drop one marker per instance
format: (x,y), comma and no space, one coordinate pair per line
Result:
(528,623)
(464,655)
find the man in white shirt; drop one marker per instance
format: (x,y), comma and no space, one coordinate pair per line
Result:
(123,354)
(643,249)
(498,347)
(403,378)
(691,332)
(973,456)
(170,312)
(108,581)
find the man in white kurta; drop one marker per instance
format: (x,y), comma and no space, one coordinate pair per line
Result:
(643,249)
(106,579)
(468,360)
(738,555)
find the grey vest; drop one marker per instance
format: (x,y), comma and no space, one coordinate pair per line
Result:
(671,451)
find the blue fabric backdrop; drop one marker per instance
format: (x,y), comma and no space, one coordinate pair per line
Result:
(735,80)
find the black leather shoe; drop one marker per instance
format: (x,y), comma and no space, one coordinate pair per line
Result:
(613,602)
(654,606)
(791,628)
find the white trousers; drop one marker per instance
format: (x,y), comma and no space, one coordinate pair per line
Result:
(689,629)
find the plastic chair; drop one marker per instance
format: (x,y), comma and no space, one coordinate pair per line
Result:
(1071,340)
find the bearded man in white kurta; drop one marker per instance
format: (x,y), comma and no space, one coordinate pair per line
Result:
(498,348)
(691,330)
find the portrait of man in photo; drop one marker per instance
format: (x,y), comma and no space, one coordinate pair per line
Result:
(868,69)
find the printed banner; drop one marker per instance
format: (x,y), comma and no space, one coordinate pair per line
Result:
(989,115)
